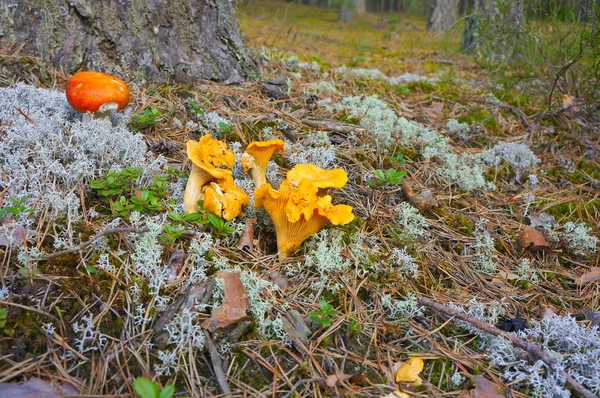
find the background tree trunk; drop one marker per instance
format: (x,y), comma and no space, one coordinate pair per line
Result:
(442,15)
(474,9)
(346,11)
(155,40)
(360,7)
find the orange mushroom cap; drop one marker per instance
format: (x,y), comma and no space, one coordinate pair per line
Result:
(206,155)
(409,372)
(224,199)
(321,178)
(298,215)
(257,157)
(88,91)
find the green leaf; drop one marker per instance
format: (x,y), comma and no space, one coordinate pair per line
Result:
(145,196)
(91,269)
(3,313)
(96,184)
(380,174)
(145,388)
(315,316)
(167,392)
(3,211)
(326,321)
(192,217)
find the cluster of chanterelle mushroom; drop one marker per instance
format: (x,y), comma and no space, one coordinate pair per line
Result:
(299,209)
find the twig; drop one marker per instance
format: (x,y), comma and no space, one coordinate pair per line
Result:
(516,111)
(28,309)
(532,349)
(300,382)
(93,239)
(217,363)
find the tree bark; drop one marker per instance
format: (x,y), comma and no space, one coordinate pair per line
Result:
(360,7)
(442,15)
(346,11)
(137,39)
(492,27)
(470,36)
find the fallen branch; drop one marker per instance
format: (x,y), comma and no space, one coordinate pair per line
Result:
(93,239)
(332,125)
(532,349)
(516,111)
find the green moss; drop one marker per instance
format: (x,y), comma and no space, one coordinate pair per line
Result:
(440,373)
(481,117)
(423,86)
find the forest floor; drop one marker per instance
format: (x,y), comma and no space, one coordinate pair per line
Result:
(496,217)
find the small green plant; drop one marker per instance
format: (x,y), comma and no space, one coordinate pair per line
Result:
(198,109)
(221,227)
(353,329)
(225,128)
(117,188)
(18,207)
(401,89)
(145,120)
(172,233)
(116,183)
(323,316)
(148,389)
(389,176)
(3,317)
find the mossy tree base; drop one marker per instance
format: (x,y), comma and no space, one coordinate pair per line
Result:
(143,39)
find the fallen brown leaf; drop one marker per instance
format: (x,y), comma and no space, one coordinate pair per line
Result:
(434,110)
(332,380)
(532,240)
(589,277)
(421,200)
(35,388)
(234,307)
(486,389)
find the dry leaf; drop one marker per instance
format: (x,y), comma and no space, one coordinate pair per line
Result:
(13,233)
(464,394)
(234,307)
(567,100)
(175,264)
(486,389)
(409,372)
(35,388)
(359,379)
(591,276)
(434,110)
(247,238)
(421,200)
(593,316)
(332,380)
(532,240)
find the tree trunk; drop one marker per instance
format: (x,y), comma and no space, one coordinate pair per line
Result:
(360,7)
(346,11)
(470,36)
(140,39)
(442,15)
(492,27)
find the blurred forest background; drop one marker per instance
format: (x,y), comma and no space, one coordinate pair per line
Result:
(542,48)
